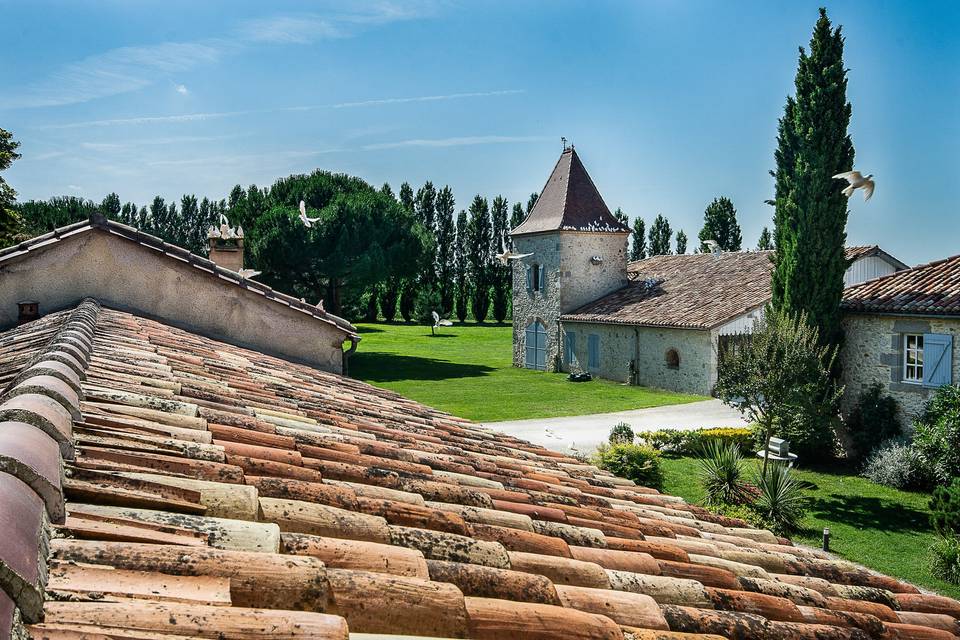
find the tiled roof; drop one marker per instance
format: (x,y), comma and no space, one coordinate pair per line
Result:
(173,252)
(198,489)
(928,289)
(693,291)
(868,250)
(570,202)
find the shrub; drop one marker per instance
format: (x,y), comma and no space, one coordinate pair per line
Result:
(945,559)
(894,464)
(667,440)
(721,473)
(636,462)
(945,509)
(621,433)
(937,436)
(872,421)
(692,442)
(780,499)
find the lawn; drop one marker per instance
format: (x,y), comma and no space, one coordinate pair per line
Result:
(879,527)
(467,370)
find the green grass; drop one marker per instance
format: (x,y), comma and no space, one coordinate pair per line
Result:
(879,527)
(467,370)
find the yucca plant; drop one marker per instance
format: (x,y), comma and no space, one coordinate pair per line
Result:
(721,473)
(780,499)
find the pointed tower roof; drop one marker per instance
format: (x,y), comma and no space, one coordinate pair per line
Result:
(570,202)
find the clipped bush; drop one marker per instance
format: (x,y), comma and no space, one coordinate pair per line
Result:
(621,433)
(721,473)
(688,443)
(872,421)
(936,438)
(667,440)
(945,509)
(780,500)
(636,462)
(894,464)
(945,559)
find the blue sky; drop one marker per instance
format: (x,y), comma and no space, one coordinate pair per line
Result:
(669,103)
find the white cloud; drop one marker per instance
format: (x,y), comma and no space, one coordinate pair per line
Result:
(455,141)
(289,29)
(181,89)
(74,187)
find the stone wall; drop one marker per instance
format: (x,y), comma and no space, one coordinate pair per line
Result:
(873,351)
(127,276)
(539,305)
(584,281)
(619,344)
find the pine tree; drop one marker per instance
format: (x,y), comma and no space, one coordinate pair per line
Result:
(810,211)
(10,223)
(446,240)
(660,233)
(622,217)
(720,225)
(766,242)
(479,235)
(500,273)
(681,243)
(638,248)
(460,266)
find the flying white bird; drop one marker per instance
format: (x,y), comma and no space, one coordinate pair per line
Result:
(249,274)
(506,256)
(307,222)
(437,322)
(856,181)
(712,245)
(223,220)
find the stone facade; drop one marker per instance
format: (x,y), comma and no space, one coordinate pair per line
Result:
(639,355)
(873,352)
(572,278)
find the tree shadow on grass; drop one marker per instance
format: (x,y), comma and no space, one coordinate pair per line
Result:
(870,513)
(390,367)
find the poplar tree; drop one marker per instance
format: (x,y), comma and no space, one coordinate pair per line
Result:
(446,241)
(517,216)
(460,267)
(660,233)
(479,235)
(810,211)
(720,225)
(681,243)
(408,287)
(500,273)
(622,217)
(638,248)
(765,243)
(532,200)
(391,289)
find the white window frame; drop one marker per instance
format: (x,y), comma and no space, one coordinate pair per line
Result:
(912,371)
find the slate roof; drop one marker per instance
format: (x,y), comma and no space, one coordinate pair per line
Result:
(570,202)
(198,489)
(927,289)
(173,252)
(692,291)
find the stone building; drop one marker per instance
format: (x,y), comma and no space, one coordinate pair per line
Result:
(578,305)
(900,330)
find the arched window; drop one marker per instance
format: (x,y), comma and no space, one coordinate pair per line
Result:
(536,346)
(673,358)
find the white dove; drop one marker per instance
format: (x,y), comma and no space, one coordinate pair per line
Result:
(249,274)
(712,245)
(307,222)
(506,256)
(856,181)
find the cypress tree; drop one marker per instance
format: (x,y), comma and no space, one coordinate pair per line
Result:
(460,266)
(446,240)
(500,273)
(660,233)
(720,224)
(766,242)
(810,211)
(638,248)
(479,236)
(681,243)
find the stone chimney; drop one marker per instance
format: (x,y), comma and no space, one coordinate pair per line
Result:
(226,245)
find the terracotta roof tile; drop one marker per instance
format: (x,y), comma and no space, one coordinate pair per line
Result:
(229,490)
(928,289)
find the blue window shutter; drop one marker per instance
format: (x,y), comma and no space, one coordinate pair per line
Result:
(593,346)
(529,279)
(531,345)
(937,359)
(543,278)
(570,344)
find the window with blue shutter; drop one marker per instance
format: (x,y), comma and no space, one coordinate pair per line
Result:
(529,279)
(937,359)
(569,347)
(543,279)
(593,351)
(536,346)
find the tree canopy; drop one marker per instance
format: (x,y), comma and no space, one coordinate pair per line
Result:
(660,233)
(720,225)
(9,219)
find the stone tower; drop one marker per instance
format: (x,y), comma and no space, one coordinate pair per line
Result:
(578,253)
